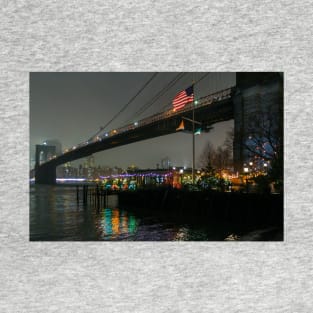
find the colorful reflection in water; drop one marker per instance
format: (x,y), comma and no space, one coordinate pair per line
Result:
(116,222)
(55,215)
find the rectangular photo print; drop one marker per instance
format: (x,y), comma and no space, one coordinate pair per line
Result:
(163,156)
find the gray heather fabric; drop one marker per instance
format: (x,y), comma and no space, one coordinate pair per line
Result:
(156,276)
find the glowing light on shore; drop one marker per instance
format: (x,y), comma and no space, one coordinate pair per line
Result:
(70,179)
(136,175)
(62,180)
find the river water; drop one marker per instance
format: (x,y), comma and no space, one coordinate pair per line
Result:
(56,215)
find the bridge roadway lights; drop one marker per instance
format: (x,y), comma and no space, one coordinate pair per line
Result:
(45,174)
(249,95)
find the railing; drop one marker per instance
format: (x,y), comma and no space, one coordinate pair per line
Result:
(207,100)
(204,101)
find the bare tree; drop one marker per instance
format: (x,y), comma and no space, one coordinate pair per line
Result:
(264,143)
(222,159)
(207,159)
(229,143)
(216,160)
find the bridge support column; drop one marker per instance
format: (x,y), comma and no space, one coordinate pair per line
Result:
(45,174)
(255,93)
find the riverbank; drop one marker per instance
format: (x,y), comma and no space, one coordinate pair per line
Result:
(248,211)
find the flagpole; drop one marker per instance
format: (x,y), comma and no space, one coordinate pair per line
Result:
(193,132)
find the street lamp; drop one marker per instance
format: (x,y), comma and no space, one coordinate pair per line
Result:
(246,171)
(181,127)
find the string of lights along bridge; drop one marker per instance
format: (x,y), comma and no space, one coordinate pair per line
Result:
(197,104)
(117,98)
(238,101)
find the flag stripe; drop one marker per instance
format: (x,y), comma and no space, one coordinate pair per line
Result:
(183,97)
(183,100)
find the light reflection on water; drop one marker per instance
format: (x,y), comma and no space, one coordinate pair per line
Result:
(115,224)
(55,215)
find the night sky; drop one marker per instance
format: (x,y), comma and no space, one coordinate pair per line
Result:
(71,107)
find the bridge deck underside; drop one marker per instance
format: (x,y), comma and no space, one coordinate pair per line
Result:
(216,112)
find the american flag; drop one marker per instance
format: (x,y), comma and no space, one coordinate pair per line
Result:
(182,98)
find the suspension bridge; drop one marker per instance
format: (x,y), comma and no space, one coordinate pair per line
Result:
(231,103)
(211,109)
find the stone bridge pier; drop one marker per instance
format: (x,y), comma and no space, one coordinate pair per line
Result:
(255,92)
(45,174)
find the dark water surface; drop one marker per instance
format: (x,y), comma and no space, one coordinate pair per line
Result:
(55,215)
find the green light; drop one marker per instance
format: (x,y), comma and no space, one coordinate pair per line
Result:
(196,102)
(132,224)
(198,131)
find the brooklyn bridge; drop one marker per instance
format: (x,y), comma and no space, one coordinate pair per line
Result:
(252,91)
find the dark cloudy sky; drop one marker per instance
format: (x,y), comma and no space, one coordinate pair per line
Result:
(71,107)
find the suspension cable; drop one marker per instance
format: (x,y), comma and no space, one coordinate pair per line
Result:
(151,102)
(168,105)
(156,97)
(126,105)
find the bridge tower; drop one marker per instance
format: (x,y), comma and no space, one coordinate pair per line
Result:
(43,152)
(44,174)
(255,92)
